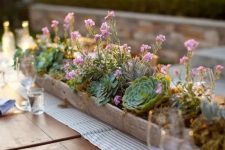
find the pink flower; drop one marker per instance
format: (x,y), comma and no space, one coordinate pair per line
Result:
(117,73)
(89,23)
(66,67)
(194,72)
(160,38)
(176,72)
(110,15)
(78,60)
(45,31)
(70,75)
(126,48)
(105,30)
(159,88)
(145,47)
(191,44)
(75,35)
(147,57)
(218,68)
(108,47)
(69,17)
(201,69)
(98,37)
(184,60)
(165,69)
(55,23)
(117,100)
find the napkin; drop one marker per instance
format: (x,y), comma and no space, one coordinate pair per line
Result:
(6,105)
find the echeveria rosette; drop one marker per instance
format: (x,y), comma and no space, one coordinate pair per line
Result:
(104,89)
(141,95)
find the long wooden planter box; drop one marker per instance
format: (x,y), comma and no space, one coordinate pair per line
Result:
(124,121)
(108,113)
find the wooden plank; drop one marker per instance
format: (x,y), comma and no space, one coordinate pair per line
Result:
(53,128)
(74,144)
(18,130)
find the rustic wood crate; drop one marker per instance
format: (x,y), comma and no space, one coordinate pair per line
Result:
(123,121)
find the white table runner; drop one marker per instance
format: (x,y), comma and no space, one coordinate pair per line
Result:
(98,133)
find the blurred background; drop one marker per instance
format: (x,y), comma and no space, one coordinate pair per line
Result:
(17,10)
(139,21)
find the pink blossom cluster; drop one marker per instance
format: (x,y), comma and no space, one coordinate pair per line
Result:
(105,29)
(148,57)
(218,68)
(165,69)
(160,38)
(126,48)
(145,47)
(75,35)
(159,88)
(117,100)
(191,44)
(110,15)
(69,17)
(89,23)
(184,60)
(54,24)
(78,60)
(45,31)
(70,75)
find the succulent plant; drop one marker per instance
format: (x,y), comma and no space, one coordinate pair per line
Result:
(47,58)
(141,95)
(212,110)
(104,89)
(134,69)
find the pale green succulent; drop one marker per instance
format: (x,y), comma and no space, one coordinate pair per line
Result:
(104,89)
(212,110)
(134,69)
(141,95)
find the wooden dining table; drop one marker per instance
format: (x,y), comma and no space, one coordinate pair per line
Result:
(23,130)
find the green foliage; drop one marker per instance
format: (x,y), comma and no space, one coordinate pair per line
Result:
(48,58)
(191,8)
(134,69)
(104,89)
(56,71)
(141,95)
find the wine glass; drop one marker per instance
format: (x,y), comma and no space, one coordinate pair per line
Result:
(3,68)
(27,67)
(166,131)
(204,81)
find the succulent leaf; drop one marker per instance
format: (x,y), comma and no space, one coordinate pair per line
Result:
(141,95)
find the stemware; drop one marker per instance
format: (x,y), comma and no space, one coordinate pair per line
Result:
(166,131)
(27,67)
(205,81)
(3,68)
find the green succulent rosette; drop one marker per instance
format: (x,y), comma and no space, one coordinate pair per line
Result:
(142,94)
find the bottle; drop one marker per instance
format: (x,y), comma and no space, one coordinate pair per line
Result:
(8,40)
(27,41)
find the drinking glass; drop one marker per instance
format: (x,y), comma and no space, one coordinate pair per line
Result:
(27,67)
(205,81)
(3,68)
(36,99)
(168,132)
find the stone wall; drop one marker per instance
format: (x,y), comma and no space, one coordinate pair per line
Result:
(136,29)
